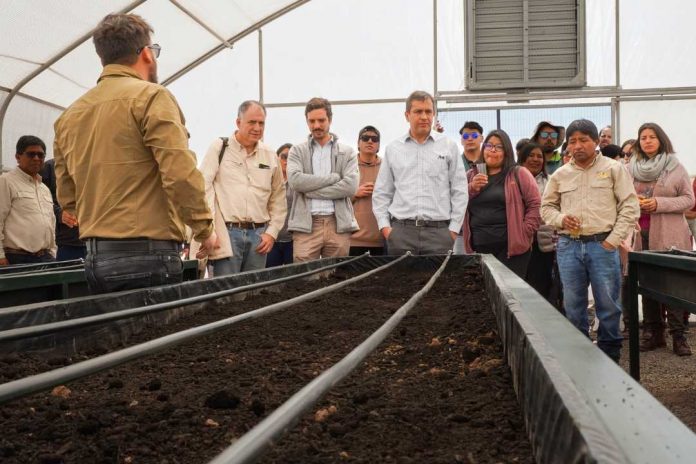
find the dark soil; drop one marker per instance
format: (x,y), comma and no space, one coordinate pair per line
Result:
(14,366)
(427,400)
(437,391)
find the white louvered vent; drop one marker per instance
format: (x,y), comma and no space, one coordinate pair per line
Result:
(525,44)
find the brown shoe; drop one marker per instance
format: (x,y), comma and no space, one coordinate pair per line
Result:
(653,339)
(680,346)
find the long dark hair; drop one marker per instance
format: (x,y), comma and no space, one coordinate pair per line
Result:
(508,152)
(526,152)
(665,142)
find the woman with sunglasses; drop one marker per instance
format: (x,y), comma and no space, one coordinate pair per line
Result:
(627,150)
(504,206)
(665,194)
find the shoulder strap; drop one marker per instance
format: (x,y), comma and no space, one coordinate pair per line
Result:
(225,140)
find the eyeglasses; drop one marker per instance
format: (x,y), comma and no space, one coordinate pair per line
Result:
(468,135)
(283,157)
(156,49)
(34,154)
(491,147)
(370,138)
(546,135)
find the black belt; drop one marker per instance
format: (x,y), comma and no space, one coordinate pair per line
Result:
(421,222)
(246,225)
(590,238)
(96,245)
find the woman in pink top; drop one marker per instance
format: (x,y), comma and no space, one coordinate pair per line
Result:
(665,193)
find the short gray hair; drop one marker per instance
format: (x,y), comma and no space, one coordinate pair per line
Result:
(419,95)
(584,126)
(248,104)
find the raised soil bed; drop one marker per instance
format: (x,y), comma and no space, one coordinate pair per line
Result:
(436,391)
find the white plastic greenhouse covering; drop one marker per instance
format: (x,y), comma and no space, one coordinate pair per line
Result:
(364,55)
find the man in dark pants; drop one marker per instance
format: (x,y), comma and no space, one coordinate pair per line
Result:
(67,231)
(421,192)
(27,227)
(123,167)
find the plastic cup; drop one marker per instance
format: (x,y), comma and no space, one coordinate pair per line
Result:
(481,168)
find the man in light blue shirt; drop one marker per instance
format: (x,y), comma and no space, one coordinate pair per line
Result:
(421,192)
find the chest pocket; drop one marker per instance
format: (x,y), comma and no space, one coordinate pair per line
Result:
(261,178)
(602,193)
(570,200)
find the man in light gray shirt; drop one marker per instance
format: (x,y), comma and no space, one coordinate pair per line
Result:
(421,192)
(324,177)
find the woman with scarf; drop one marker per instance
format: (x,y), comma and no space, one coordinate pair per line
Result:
(665,193)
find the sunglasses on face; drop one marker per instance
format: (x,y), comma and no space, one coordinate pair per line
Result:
(34,154)
(626,154)
(370,138)
(283,157)
(546,135)
(491,147)
(472,135)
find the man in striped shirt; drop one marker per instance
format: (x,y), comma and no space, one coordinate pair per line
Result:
(421,192)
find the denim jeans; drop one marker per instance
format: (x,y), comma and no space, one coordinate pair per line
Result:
(244,256)
(125,270)
(15,258)
(69,252)
(280,254)
(584,263)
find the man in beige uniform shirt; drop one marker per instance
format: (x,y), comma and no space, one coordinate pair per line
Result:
(27,223)
(592,202)
(123,167)
(246,183)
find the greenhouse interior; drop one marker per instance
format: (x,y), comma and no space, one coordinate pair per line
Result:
(413,357)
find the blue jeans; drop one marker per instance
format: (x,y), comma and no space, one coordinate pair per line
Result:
(584,263)
(70,252)
(117,271)
(244,256)
(15,258)
(280,254)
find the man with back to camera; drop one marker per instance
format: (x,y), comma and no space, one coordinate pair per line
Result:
(368,238)
(324,176)
(472,136)
(549,138)
(123,166)
(421,192)
(592,202)
(246,183)
(27,223)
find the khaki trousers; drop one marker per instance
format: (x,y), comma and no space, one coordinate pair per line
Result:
(322,242)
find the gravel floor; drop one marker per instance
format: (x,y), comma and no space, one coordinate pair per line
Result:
(671,379)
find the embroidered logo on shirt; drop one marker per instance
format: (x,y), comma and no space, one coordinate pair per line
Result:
(264,166)
(603,175)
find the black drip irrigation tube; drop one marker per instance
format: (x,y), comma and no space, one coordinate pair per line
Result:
(53,327)
(39,382)
(258,439)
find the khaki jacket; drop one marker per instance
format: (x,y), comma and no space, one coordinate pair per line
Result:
(123,165)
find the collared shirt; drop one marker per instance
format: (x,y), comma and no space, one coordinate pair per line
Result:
(601,195)
(248,187)
(27,221)
(123,163)
(421,181)
(321,166)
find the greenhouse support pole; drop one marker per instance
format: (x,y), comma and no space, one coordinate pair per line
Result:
(435,52)
(45,66)
(260,65)
(617,58)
